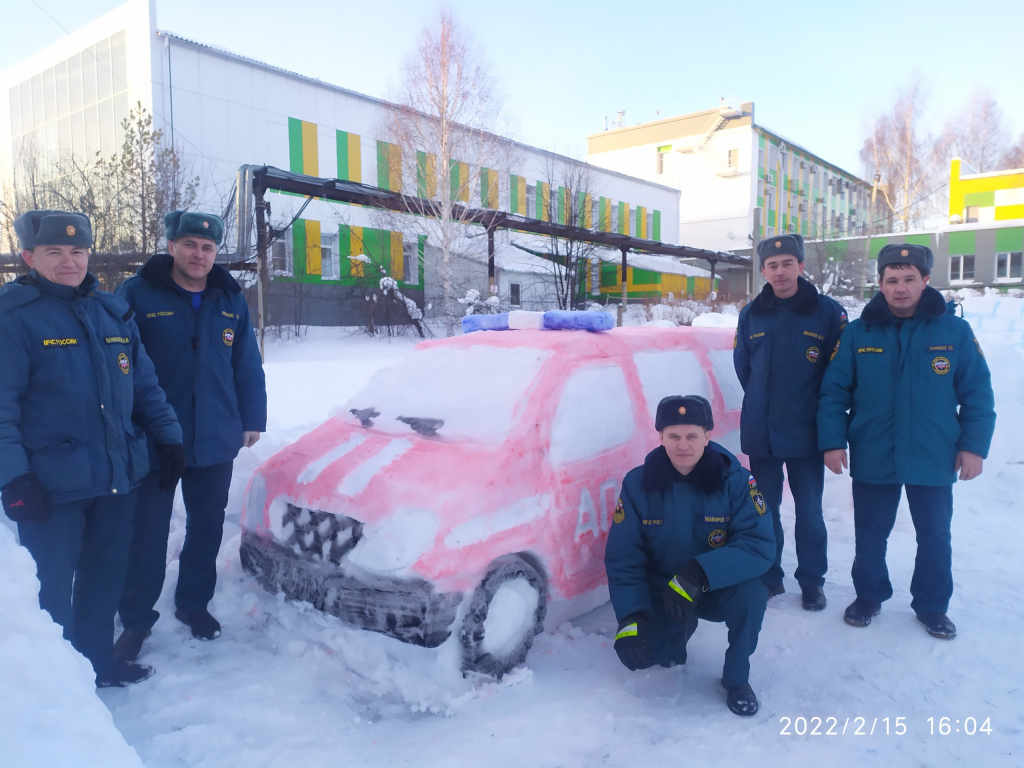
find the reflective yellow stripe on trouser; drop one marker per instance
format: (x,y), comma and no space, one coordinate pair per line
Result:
(677,588)
(627,631)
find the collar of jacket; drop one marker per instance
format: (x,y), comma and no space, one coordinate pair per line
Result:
(877,311)
(805,299)
(707,475)
(66,292)
(158,272)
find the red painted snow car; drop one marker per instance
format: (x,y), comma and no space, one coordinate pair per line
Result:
(471,486)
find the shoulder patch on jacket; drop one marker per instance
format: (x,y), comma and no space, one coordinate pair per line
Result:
(978,346)
(835,351)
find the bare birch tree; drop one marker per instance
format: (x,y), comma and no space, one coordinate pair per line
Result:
(977,133)
(444,124)
(1013,157)
(908,160)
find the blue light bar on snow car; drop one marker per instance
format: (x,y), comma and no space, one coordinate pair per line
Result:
(555,320)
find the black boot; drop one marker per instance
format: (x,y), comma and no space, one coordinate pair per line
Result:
(202,624)
(860,612)
(775,590)
(938,625)
(741,699)
(120,673)
(129,644)
(813,598)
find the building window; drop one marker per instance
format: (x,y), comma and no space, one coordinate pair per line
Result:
(760,158)
(515,294)
(330,269)
(961,268)
(771,231)
(281,255)
(734,158)
(972,214)
(1008,266)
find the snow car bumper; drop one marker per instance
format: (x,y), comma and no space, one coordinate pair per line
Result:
(406,609)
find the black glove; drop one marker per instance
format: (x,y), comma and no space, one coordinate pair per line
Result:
(172,466)
(684,591)
(25,499)
(631,642)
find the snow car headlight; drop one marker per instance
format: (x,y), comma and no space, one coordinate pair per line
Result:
(396,543)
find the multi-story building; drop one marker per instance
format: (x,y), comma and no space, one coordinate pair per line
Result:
(984,197)
(221,111)
(725,165)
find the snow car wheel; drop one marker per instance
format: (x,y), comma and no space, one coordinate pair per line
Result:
(505,613)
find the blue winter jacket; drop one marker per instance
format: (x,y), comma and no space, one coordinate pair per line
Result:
(907,399)
(77,392)
(663,520)
(208,362)
(781,352)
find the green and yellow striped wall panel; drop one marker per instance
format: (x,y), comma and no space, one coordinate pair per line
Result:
(350,163)
(656,225)
(517,194)
(960,243)
(561,205)
(624,219)
(426,175)
(458,176)
(641,222)
(543,198)
(1009,239)
(389,166)
(604,205)
(585,206)
(350,243)
(488,188)
(303,152)
(306,247)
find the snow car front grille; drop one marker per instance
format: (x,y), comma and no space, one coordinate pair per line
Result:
(409,609)
(319,535)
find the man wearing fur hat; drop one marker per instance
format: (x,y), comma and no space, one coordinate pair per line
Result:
(909,390)
(782,344)
(689,540)
(195,325)
(78,396)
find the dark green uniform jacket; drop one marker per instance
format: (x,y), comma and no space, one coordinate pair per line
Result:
(76,390)
(715,514)
(907,396)
(208,362)
(781,352)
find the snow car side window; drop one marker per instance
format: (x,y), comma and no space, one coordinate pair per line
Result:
(725,374)
(594,415)
(664,373)
(469,392)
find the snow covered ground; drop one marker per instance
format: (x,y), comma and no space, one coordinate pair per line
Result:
(287,685)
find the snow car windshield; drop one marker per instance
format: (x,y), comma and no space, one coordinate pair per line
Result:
(476,392)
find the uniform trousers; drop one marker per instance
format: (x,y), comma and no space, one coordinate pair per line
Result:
(740,606)
(874,514)
(81,553)
(205,491)
(807,483)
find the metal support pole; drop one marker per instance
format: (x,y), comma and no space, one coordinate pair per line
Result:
(492,286)
(755,287)
(261,264)
(712,293)
(871,224)
(625,289)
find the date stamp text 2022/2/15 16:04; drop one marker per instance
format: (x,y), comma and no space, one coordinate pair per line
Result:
(881,726)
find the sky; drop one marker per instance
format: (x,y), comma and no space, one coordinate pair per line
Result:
(818,72)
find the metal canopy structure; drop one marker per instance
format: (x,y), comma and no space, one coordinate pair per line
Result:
(255,181)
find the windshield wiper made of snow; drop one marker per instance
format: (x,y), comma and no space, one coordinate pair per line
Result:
(423,426)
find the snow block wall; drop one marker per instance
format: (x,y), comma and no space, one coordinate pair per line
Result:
(49,712)
(999,316)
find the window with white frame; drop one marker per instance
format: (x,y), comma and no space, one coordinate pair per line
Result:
(961,268)
(515,294)
(734,158)
(1008,265)
(281,255)
(329,266)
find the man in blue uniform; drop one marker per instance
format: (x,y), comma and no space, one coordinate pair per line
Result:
(195,326)
(77,397)
(781,351)
(689,540)
(910,391)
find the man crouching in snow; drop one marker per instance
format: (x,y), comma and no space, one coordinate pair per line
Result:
(689,541)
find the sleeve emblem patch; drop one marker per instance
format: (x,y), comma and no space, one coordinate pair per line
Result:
(620,513)
(835,351)
(758,499)
(978,346)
